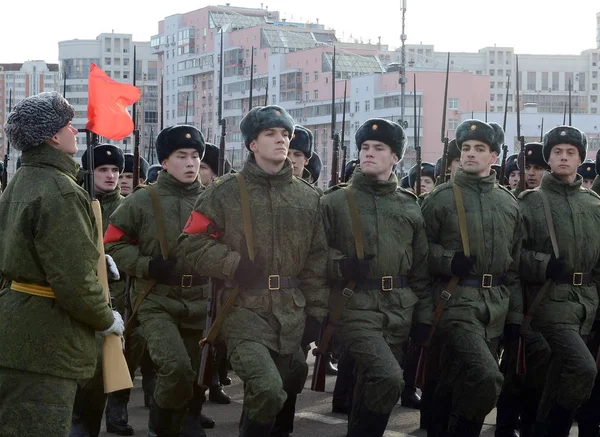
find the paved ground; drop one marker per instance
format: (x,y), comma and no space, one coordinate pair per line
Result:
(313,415)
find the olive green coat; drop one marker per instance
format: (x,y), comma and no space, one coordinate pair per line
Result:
(49,238)
(494,227)
(394,232)
(576,216)
(289,241)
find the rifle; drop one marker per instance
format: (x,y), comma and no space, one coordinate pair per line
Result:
(542,131)
(344,147)
(444,167)
(520,138)
(417,145)
(207,350)
(251,78)
(136,132)
(570,107)
(335,136)
(505,146)
(114,367)
(7,151)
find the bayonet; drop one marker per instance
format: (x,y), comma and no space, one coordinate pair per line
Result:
(520,138)
(252,78)
(343,145)
(416,134)
(504,145)
(444,136)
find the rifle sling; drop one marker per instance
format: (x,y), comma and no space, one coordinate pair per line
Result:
(339,300)
(451,286)
(553,239)
(164,248)
(224,310)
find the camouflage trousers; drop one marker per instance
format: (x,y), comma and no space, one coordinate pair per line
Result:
(570,373)
(378,373)
(465,368)
(35,405)
(175,352)
(267,376)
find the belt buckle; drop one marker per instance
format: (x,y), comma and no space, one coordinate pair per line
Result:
(577,279)
(277,280)
(487,280)
(445,295)
(186,281)
(347,292)
(387,280)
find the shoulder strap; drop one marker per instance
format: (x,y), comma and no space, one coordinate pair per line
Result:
(160,221)
(356,225)
(246,216)
(549,223)
(462,219)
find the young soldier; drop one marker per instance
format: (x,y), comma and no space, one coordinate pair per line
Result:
(90,398)
(511,172)
(54,301)
(312,171)
(462,362)
(173,299)
(453,160)
(392,279)
(587,170)
(126,177)
(301,149)
(283,284)
(596,184)
(152,175)
(209,167)
(568,306)
(427,177)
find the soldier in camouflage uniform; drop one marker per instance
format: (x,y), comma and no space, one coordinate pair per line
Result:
(568,308)
(301,149)
(152,175)
(90,398)
(172,315)
(285,282)
(427,177)
(312,171)
(209,167)
(462,362)
(587,170)
(392,279)
(54,302)
(511,174)
(126,177)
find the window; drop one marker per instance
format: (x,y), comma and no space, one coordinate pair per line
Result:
(544,80)
(316,76)
(492,85)
(306,96)
(568,80)
(594,99)
(274,99)
(594,110)
(356,106)
(492,97)
(492,72)
(274,81)
(582,81)
(316,95)
(453,123)
(107,61)
(594,74)
(367,105)
(531,79)
(594,87)
(555,81)
(306,77)
(453,103)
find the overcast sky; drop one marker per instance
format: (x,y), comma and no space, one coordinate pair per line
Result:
(530,26)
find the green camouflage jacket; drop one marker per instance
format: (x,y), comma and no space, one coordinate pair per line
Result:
(495,229)
(394,232)
(289,240)
(576,213)
(49,238)
(132,240)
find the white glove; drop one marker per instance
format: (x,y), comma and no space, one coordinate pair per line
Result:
(111,269)
(118,327)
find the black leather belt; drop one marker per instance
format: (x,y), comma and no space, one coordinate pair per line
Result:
(385,283)
(276,282)
(185,281)
(485,281)
(577,279)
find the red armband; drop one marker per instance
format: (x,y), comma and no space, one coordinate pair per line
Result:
(199,224)
(112,234)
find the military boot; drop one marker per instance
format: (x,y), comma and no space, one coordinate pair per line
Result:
(148,378)
(409,397)
(508,409)
(216,394)
(192,421)
(438,416)
(78,426)
(462,427)
(368,423)
(284,421)
(250,428)
(162,422)
(117,417)
(588,421)
(88,407)
(344,384)
(559,421)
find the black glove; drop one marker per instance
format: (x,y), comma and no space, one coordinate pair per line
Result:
(161,270)
(556,268)
(312,329)
(512,332)
(354,269)
(420,333)
(248,272)
(461,265)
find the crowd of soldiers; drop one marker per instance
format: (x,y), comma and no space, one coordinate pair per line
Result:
(477,292)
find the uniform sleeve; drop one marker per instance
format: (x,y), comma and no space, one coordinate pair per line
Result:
(513,281)
(200,243)
(440,259)
(67,247)
(120,239)
(333,255)
(533,263)
(313,275)
(419,279)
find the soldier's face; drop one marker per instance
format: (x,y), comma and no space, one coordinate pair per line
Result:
(454,165)
(477,158)
(533,175)
(65,140)
(564,160)
(377,159)
(106,178)
(427,184)
(126,183)
(513,179)
(206,174)
(299,161)
(587,183)
(183,165)
(271,146)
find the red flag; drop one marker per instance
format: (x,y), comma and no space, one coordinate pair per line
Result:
(107,105)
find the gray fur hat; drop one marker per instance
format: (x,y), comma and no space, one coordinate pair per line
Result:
(261,118)
(37,118)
